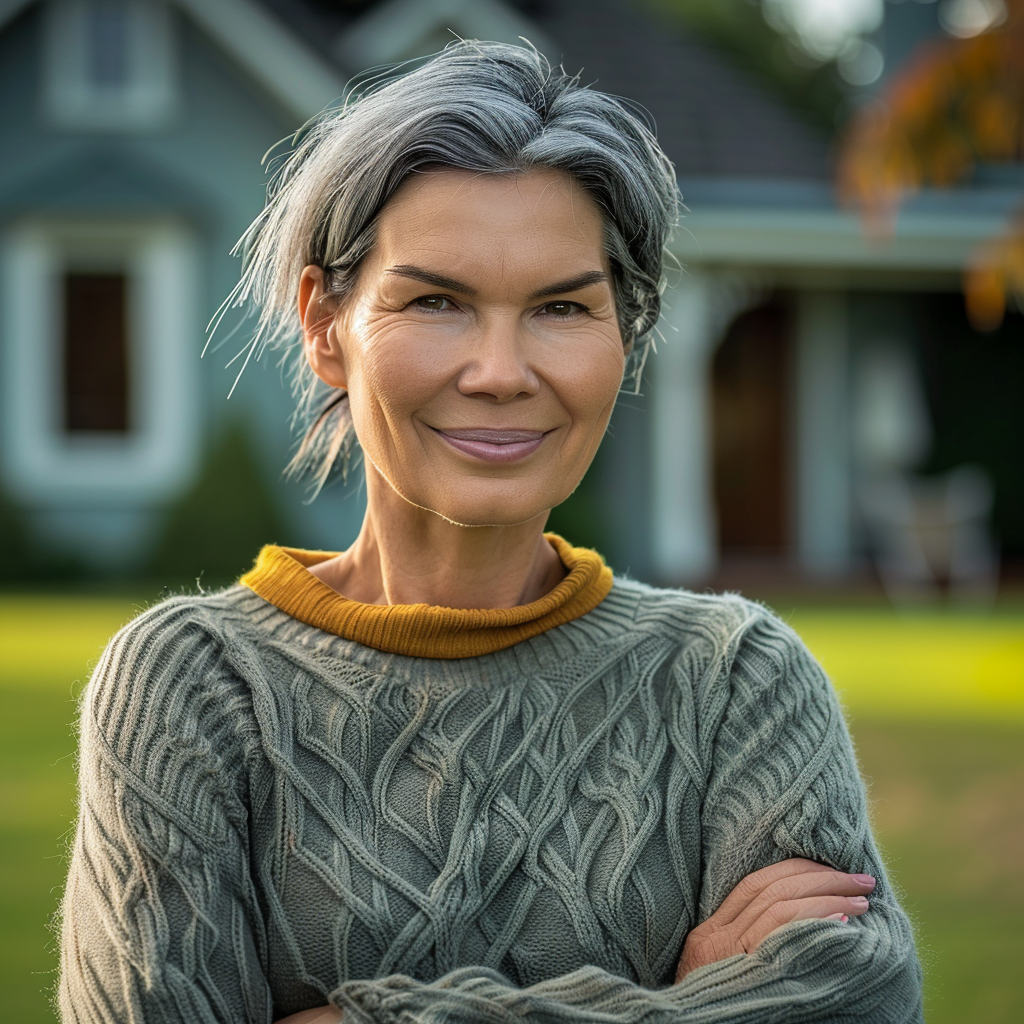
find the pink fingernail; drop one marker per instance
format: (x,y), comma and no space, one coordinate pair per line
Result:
(838,917)
(861,901)
(864,879)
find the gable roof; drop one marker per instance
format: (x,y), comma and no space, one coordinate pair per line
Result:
(398,29)
(266,47)
(712,118)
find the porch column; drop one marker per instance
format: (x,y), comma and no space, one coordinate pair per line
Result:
(823,497)
(683,541)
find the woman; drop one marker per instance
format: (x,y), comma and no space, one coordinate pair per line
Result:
(458,772)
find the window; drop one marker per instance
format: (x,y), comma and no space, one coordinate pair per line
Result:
(94,336)
(109,64)
(101,337)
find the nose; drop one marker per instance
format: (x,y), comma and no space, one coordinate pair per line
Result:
(498,364)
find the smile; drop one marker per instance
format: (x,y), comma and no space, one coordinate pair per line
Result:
(493,445)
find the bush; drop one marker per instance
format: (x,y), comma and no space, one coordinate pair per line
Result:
(213,532)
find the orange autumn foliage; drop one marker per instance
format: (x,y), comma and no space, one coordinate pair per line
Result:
(996,271)
(954,104)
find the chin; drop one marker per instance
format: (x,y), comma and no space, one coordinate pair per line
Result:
(493,509)
(489,516)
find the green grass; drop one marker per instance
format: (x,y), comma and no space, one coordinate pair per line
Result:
(933,665)
(47,647)
(37,804)
(937,713)
(947,803)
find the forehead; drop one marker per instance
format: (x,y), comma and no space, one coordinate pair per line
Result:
(448,207)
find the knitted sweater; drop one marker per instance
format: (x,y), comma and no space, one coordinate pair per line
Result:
(273,817)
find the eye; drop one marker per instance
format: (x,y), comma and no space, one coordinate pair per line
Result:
(434,303)
(563,310)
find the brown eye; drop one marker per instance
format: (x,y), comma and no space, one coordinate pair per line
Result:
(561,308)
(433,302)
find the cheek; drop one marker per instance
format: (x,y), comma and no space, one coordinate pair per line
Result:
(393,372)
(592,383)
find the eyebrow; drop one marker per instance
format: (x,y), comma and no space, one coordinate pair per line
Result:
(428,277)
(571,284)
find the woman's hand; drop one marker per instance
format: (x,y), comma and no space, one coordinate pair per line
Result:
(318,1015)
(792,890)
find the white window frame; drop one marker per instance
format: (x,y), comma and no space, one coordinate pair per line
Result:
(148,98)
(42,462)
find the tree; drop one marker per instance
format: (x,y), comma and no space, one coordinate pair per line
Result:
(745,32)
(955,104)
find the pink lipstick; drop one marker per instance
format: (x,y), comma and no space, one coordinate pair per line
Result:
(493,445)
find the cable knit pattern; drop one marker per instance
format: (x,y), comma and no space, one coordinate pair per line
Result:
(274,817)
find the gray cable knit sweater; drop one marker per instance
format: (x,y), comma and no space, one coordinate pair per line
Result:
(273,817)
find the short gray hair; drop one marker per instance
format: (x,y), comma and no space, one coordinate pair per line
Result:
(485,107)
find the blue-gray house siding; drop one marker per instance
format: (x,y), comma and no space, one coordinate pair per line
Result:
(202,170)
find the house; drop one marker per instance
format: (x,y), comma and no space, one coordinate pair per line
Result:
(789,373)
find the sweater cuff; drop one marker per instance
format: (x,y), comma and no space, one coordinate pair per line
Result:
(361,1002)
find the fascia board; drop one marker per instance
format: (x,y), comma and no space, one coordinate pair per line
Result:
(394,29)
(10,9)
(298,77)
(301,80)
(830,239)
(390,29)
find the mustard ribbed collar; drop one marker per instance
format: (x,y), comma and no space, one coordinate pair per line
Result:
(281,577)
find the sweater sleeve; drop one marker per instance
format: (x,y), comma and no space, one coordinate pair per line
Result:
(160,923)
(783,782)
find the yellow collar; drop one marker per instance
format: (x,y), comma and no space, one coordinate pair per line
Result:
(281,577)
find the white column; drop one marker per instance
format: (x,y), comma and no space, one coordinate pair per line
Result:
(683,541)
(822,436)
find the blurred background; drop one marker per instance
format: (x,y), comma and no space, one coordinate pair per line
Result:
(832,421)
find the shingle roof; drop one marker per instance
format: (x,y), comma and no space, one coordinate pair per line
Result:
(713,119)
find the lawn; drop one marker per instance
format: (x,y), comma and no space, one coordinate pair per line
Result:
(936,705)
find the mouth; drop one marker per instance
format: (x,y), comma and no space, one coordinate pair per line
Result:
(493,445)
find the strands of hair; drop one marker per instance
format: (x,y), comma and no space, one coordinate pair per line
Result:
(477,106)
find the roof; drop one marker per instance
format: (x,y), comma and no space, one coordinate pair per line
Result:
(263,44)
(712,118)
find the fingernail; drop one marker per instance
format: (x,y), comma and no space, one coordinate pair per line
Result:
(838,917)
(864,879)
(860,901)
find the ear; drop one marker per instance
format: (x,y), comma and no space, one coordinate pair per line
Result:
(317,314)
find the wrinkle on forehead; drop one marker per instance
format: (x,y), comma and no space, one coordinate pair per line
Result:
(487,228)
(556,179)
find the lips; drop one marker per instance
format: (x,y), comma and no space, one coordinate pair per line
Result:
(493,445)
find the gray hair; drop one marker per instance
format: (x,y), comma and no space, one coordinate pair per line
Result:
(485,107)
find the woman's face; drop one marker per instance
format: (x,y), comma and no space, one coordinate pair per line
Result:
(480,347)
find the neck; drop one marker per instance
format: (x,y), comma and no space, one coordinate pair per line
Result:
(408,555)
